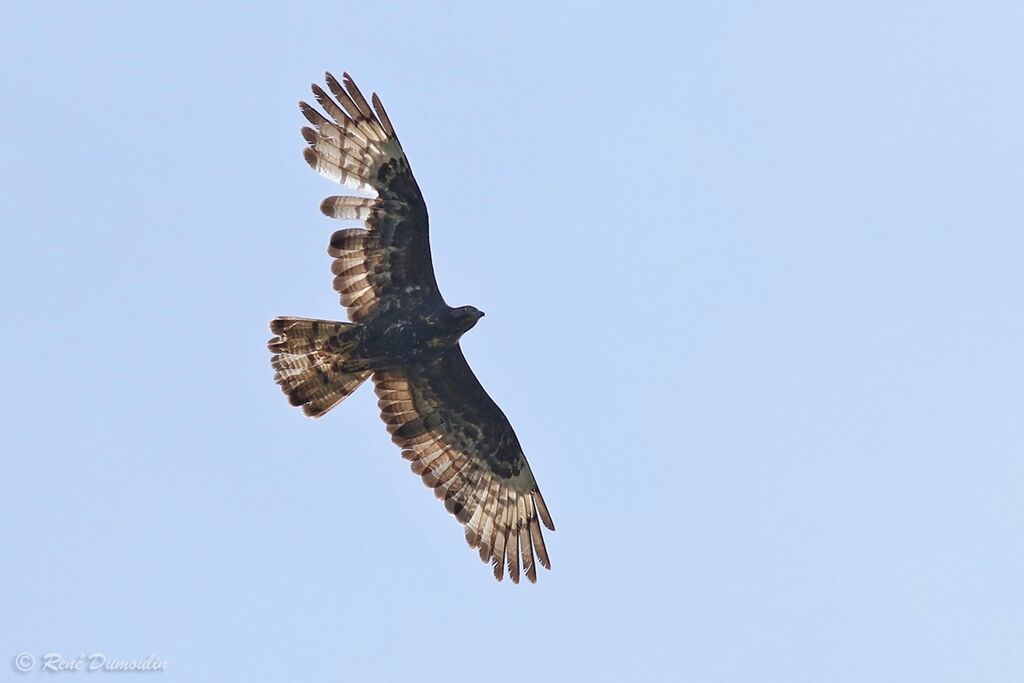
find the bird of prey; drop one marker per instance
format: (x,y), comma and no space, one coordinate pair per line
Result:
(403,335)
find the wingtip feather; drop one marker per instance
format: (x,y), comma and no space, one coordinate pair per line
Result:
(542,510)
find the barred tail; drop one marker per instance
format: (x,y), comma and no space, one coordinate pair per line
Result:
(316,361)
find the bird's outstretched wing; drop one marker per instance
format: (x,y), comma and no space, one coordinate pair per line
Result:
(387,264)
(464,448)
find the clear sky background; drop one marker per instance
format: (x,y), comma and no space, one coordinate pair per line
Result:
(754,292)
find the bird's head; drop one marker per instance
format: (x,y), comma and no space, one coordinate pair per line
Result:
(466,317)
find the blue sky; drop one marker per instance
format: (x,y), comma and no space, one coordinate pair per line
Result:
(752,274)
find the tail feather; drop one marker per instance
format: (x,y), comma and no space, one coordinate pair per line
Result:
(316,362)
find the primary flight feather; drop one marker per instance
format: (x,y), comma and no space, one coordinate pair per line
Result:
(403,335)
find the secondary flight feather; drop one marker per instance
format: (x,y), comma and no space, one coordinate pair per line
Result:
(403,335)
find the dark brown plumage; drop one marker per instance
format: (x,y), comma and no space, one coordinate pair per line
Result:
(403,334)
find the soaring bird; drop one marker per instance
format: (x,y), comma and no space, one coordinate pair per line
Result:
(403,334)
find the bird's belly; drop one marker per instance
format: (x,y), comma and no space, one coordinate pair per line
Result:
(403,342)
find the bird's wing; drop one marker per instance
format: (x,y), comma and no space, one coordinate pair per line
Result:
(464,448)
(387,263)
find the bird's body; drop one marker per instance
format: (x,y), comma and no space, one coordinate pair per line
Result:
(405,336)
(399,338)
